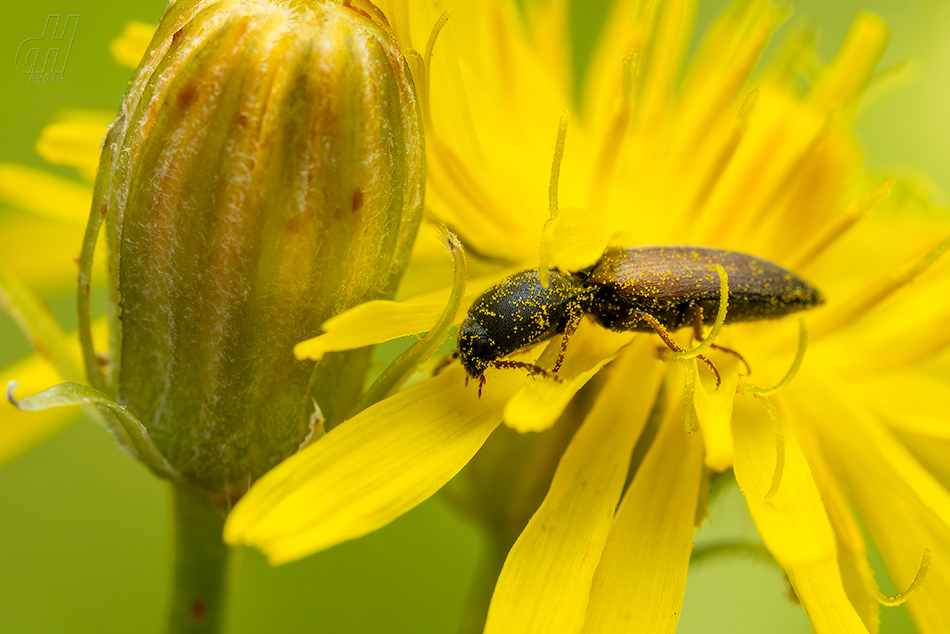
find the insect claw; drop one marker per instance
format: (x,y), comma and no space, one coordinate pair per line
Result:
(713,368)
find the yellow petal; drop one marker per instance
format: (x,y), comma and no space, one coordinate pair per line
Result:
(901,532)
(657,32)
(367,324)
(793,523)
(36,322)
(839,316)
(545,582)
(857,577)
(548,21)
(904,506)
(819,587)
(779,135)
(42,254)
(906,329)
(714,413)
(128,48)
(383,320)
(848,75)
(19,431)
(45,194)
(541,401)
(856,574)
(479,177)
(369,470)
(670,37)
(705,131)
(652,534)
(913,406)
(75,140)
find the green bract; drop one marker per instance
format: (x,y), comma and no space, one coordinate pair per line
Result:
(265,172)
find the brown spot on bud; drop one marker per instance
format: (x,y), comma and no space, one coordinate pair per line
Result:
(357,199)
(198,611)
(187,95)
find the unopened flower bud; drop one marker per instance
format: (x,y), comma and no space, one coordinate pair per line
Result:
(265,173)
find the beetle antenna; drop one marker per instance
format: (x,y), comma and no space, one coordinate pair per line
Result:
(671,344)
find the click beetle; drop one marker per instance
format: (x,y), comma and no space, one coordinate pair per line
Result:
(650,288)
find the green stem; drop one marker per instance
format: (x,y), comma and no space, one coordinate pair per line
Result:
(483,586)
(201,559)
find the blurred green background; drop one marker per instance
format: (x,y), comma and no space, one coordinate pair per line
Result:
(85,531)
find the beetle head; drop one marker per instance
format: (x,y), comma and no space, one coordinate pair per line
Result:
(474,347)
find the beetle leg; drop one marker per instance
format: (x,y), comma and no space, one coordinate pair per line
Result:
(699,336)
(573,321)
(507,364)
(668,340)
(711,367)
(697,321)
(659,329)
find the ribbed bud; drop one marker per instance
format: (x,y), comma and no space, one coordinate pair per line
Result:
(265,173)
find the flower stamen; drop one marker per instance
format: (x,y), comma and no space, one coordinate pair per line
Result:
(427,62)
(613,139)
(763,395)
(552,193)
(779,444)
(422,66)
(751,388)
(901,597)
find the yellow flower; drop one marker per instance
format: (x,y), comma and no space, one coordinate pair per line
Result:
(658,152)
